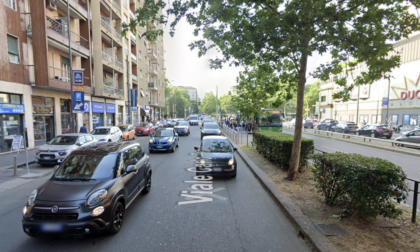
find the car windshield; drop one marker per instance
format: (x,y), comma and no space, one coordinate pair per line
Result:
(193,118)
(215,145)
(163,133)
(123,128)
(210,126)
(100,132)
(64,140)
(183,123)
(86,167)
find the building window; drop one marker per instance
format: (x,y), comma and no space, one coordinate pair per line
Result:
(13,49)
(323,98)
(140,55)
(65,69)
(141,74)
(11,4)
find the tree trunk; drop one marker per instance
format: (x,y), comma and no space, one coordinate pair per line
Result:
(294,159)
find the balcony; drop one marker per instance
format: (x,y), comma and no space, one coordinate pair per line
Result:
(152,54)
(105,24)
(133,58)
(152,24)
(117,35)
(152,86)
(134,78)
(118,64)
(58,30)
(153,102)
(107,57)
(132,15)
(125,4)
(113,92)
(116,5)
(78,8)
(153,69)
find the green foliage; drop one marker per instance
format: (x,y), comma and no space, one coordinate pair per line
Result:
(208,104)
(227,104)
(366,187)
(176,98)
(277,147)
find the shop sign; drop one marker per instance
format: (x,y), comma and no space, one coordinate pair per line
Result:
(78,76)
(110,108)
(410,94)
(86,107)
(384,101)
(16,142)
(7,108)
(42,110)
(97,107)
(133,100)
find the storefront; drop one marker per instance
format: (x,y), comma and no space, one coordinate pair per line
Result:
(86,115)
(66,117)
(120,115)
(110,115)
(43,119)
(98,110)
(11,122)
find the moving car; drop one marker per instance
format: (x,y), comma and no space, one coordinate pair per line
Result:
(210,129)
(410,137)
(308,124)
(345,127)
(374,130)
(193,119)
(293,122)
(127,131)
(145,129)
(55,151)
(216,156)
(164,140)
(327,124)
(107,134)
(89,192)
(206,120)
(182,128)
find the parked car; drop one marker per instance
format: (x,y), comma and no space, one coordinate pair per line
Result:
(216,156)
(327,124)
(127,131)
(210,128)
(410,137)
(171,123)
(292,122)
(56,150)
(89,192)
(374,130)
(164,140)
(145,129)
(107,134)
(308,124)
(182,128)
(345,127)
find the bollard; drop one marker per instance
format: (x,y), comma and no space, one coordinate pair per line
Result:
(15,165)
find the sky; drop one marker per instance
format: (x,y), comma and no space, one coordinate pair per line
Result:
(185,68)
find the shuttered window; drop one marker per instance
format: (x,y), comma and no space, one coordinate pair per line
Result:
(13,49)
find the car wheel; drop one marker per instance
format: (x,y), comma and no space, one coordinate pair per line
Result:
(150,151)
(117,218)
(372,134)
(233,175)
(109,140)
(173,149)
(388,137)
(177,144)
(333,130)
(148,186)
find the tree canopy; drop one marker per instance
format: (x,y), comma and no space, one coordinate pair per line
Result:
(281,35)
(208,104)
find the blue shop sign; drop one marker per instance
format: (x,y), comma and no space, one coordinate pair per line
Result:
(97,107)
(7,108)
(86,107)
(110,108)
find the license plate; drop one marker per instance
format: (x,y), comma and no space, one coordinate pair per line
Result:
(158,147)
(386,134)
(51,227)
(47,157)
(217,169)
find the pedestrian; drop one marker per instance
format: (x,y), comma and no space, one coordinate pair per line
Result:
(83,129)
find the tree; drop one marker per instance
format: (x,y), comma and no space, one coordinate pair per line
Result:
(227,104)
(208,104)
(283,34)
(178,99)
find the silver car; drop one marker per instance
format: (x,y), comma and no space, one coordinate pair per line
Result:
(107,134)
(410,137)
(55,151)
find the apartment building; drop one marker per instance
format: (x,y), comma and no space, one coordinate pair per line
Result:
(35,78)
(395,101)
(192,92)
(234,90)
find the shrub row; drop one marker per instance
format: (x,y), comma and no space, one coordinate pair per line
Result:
(277,147)
(365,187)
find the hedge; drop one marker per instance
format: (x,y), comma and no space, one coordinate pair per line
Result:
(277,147)
(365,187)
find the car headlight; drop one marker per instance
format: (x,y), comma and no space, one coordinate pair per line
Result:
(202,161)
(170,141)
(62,152)
(151,141)
(218,132)
(32,197)
(203,132)
(230,162)
(97,197)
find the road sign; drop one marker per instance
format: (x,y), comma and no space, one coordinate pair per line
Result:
(16,142)
(78,76)
(133,100)
(77,102)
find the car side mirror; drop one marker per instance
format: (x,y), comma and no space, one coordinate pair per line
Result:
(131,168)
(235,149)
(79,144)
(176,134)
(196,148)
(55,168)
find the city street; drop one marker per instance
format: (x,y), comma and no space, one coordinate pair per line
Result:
(238,216)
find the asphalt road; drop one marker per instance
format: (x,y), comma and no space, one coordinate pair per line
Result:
(240,216)
(409,163)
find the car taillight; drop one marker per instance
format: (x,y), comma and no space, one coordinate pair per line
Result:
(379,130)
(390,130)
(347,127)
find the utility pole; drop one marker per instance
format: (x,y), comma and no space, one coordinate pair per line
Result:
(71,66)
(357,111)
(128,91)
(387,104)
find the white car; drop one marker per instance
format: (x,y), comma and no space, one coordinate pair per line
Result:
(107,134)
(292,122)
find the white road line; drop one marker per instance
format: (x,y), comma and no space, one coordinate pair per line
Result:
(330,148)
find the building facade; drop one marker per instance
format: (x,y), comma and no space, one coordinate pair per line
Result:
(192,92)
(35,89)
(234,90)
(395,101)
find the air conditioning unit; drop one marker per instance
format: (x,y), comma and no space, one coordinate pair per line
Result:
(51,4)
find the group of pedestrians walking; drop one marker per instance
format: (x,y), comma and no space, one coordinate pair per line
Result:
(237,125)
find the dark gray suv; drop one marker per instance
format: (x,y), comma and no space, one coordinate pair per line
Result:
(89,192)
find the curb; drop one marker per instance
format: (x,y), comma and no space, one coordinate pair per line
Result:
(19,165)
(361,143)
(35,176)
(306,229)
